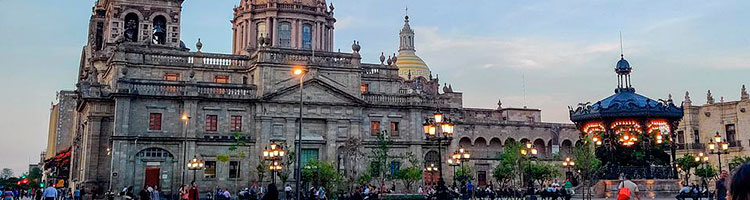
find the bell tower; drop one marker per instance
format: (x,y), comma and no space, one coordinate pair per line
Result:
(138,21)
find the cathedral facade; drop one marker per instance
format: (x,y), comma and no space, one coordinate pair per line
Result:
(147,104)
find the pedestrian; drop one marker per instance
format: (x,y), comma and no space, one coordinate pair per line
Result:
(287,191)
(127,193)
(272,194)
(321,194)
(627,189)
(740,182)
(193,193)
(77,194)
(144,194)
(721,188)
(8,194)
(38,194)
(155,194)
(184,193)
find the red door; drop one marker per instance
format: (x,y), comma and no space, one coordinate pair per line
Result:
(152,176)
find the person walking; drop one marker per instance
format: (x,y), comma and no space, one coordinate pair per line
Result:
(721,188)
(144,194)
(155,194)
(627,189)
(8,194)
(77,194)
(272,194)
(184,193)
(193,193)
(50,193)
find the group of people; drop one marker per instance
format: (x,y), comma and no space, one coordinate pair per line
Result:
(735,188)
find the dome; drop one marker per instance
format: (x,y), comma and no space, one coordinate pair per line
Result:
(303,2)
(626,104)
(623,67)
(408,62)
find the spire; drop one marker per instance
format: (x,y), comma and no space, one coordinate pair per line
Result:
(744,95)
(623,69)
(709,97)
(406,35)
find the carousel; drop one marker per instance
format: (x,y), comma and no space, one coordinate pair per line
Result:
(633,134)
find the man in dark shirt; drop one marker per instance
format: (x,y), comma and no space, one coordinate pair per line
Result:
(721,188)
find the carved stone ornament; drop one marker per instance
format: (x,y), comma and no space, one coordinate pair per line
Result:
(124,71)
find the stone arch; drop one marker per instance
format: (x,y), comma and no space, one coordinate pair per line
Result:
(496,144)
(508,142)
(154,152)
(154,166)
(480,142)
(464,142)
(579,142)
(541,147)
(159,25)
(431,157)
(524,140)
(131,26)
(566,147)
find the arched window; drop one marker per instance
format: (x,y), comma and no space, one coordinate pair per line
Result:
(131,27)
(155,152)
(260,31)
(285,34)
(160,30)
(306,36)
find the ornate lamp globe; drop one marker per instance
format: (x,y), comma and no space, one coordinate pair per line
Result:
(626,122)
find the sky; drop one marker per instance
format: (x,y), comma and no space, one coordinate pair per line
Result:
(540,54)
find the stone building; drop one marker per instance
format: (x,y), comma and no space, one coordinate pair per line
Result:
(147,103)
(60,136)
(730,119)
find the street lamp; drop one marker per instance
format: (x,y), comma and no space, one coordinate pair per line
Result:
(718,146)
(195,164)
(439,128)
(529,152)
(461,156)
(454,163)
(185,118)
(703,159)
(568,163)
(274,153)
(300,72)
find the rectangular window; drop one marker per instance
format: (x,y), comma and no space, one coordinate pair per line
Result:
(374,128)
(308,155)
(680,137)
(395,167)
(306,36)
(696,137)
(395,131)
(729,128)
(154,121)
(221,79)
(235,123)
(285,34)
(172,76)
(234,169)
(210,171)
(482,177)
(211,123)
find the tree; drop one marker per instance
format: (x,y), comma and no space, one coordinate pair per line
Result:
(381,154)
(321,173)
(464,174)
(738,161)
(707,173)
(685,164)
(6,173)
(261,168)
(289,160)
(506,171)
(543,172)
(586,164)
(353,154)
(410,174)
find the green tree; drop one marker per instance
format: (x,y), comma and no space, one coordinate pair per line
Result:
(507,170)
(587,164)
(464,174)
(686,164)
(706,173)
(381,154)
(542,172)
(289,160)
(738,161)
(321,173)
(261,169)
(410,174)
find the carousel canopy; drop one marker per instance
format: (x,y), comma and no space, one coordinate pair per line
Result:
(625,103)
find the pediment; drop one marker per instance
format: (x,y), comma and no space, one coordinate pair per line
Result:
(315,91)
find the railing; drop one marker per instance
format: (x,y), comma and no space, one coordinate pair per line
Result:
(292,56)
(735,143)
(180,88)
(398,99)
(690,146)
(155,56)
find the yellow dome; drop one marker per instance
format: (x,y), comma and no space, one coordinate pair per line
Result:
(409,62)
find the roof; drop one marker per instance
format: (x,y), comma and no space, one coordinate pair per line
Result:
(409,62)
(626,104)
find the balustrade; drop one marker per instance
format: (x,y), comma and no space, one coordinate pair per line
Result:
(171,88)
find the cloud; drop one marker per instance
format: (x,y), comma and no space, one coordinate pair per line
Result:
(524,52)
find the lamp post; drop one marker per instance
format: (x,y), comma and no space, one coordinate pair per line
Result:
(299,71)
(186,118)
(529,152)
(274,153)
(703,159)
(454,163)
(718,146)
(438,128)
(195,164)
(568,163)
(462,156)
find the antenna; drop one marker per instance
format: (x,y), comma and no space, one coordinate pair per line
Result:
(621,49)
(407,10)
(523,82)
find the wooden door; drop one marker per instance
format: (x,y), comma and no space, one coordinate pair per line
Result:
(152,176)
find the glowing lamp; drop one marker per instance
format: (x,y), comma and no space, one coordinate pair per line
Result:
(438,117)
(184,117)
(523,152)
(724,146)
(298,70)
(717,137)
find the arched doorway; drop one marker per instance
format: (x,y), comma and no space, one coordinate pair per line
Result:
(155,167)
(566,147)
(541,147)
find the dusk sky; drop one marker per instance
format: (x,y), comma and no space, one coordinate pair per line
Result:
(564,50)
